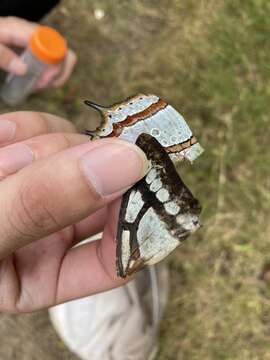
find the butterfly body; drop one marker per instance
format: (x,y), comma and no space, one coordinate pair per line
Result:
(158,212)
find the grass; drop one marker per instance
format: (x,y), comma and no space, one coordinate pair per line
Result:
(211,60)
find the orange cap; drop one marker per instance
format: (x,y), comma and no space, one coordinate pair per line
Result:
(48,45)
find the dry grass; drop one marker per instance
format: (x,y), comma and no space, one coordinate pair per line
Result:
(210,59)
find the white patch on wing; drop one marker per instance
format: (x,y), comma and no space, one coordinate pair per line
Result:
(151,176)
(106,130)
(135,204)
(177,157)
(155,241)
(155,132)
(125,248)
(155,185)
(131,263)
(173,127)
(132,107)
(189,222)
(192,152)
(131,133)
(181,128)
(172,208)
(163,195)
(174,139)
(168,127)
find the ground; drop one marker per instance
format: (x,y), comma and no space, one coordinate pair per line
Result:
(210,59)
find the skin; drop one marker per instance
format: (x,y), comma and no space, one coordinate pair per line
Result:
(49,205)
(16,32)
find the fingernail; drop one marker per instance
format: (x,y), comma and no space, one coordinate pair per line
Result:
(113,167)
(17,67)
(7,130)
(14,157)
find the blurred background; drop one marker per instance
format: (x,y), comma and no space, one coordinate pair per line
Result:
(210,59)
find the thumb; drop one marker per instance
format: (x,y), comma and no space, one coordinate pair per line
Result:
(11,62)
(65,188)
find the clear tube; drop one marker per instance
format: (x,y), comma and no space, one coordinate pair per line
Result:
(16,88)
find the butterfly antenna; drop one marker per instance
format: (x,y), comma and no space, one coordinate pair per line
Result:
(95,106)
(89,133)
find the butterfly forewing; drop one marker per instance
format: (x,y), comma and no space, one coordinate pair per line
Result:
(156,214)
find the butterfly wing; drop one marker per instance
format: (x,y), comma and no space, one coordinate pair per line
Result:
(151,115)
(156,214)
(166,125)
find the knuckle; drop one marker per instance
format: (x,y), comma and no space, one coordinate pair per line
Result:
(65,141)
(43,123)
(6,21)
(11,19)
(55,142)
(14,21)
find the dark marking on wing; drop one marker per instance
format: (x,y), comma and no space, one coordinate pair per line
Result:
(178,192)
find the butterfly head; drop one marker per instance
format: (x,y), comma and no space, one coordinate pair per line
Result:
(105,128)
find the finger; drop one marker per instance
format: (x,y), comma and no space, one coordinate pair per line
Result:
(58,74)
(94,223)
(16,156)
(69,64)
(48,76)
(65,188)
(90,226)
(10,62)
(16,31)
(21,125)
(90,268)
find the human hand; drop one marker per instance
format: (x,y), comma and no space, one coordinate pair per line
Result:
(57,188)
(17,32)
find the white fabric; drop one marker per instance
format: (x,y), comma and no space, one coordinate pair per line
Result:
(106,326)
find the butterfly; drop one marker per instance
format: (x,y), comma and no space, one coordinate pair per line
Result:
(159,211)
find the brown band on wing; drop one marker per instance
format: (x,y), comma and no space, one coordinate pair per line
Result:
(142,115)
(182,146)
(115,132)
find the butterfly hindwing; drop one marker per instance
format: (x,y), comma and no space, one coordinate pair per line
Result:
(156,214)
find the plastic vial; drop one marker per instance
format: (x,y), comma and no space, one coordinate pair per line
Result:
(46,48)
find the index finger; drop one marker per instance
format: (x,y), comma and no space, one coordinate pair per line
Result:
(15,31)
(22,125)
